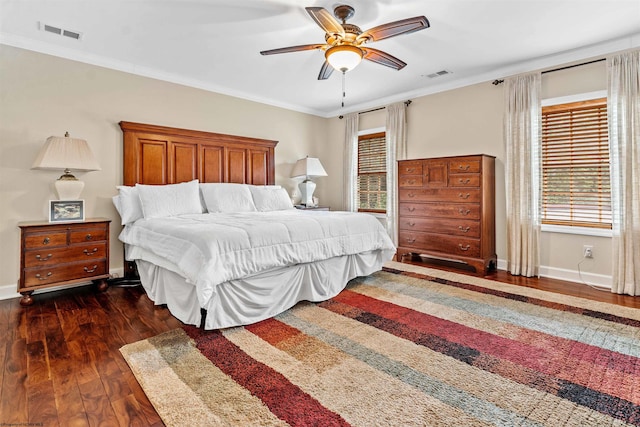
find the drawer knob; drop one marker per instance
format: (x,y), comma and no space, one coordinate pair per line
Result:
(411,209)
(411,195)
(411,181)
(463,211)
(46,241)
(411,224)
(463,167)
(409,170)
(88,236)
(463,229)
(92,269)
(464,181)
(464,248)
(411,240)
(39,258)
(89,253)
(49,274)
(464,196)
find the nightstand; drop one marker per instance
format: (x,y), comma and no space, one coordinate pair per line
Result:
(55,254)
(313,208)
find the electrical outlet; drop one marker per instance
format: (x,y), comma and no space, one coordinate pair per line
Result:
(587,251)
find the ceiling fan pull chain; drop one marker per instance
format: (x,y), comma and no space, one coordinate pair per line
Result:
(344,92)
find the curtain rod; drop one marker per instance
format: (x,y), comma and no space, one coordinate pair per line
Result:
(498,81)
(407,103)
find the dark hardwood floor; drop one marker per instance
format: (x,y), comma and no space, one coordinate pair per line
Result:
(61,363)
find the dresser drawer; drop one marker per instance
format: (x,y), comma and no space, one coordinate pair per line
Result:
(45,240)
(465,180)
(462,195)
(440,210)
(464,165)
(63,272)
(410,168)
(44,257)
(85,235)
(468,228)
(410,181)
(431,242)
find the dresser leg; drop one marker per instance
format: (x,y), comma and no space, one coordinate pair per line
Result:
(101,284)
(26,299)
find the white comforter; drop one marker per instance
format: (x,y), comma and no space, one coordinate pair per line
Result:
(209,249)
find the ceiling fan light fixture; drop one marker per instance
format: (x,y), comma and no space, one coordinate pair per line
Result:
(344,57)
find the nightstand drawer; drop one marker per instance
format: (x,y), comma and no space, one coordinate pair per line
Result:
(94,234)
(44,257)
(45,240)
(64,272)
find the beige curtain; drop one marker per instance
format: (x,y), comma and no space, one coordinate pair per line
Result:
(396,150)
(522,173)
(624,138)
(350,175)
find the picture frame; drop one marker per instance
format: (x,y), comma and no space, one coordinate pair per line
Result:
(66,210)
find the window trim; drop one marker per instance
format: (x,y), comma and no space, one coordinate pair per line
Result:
(564,229)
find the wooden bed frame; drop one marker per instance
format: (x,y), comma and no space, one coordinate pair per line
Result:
(164,155)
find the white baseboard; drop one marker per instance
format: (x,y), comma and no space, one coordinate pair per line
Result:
(587,279)
(9,291)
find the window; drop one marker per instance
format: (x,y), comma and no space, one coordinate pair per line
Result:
(576,189)
(372,172)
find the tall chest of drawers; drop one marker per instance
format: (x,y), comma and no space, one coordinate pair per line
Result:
(54,254)
(447,209)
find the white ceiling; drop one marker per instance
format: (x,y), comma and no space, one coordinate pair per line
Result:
(215,44)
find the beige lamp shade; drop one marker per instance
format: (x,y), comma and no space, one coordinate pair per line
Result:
(67,154)
(307,167)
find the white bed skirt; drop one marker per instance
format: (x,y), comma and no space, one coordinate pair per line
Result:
(250,300)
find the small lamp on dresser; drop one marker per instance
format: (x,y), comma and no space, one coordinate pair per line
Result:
(67,154)
(308,167)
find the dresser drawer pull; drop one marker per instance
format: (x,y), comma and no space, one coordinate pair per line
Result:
(464,181)
(409,170)
(463,211)
(45,277)
(464,167)
(39,258)
(463,229)
(464,196)
(46,241)
(89,253)
(411,240)
(411,224)
(94,268)
(411,195)
(88,236)
(464,248)
(411,181)
(411,209)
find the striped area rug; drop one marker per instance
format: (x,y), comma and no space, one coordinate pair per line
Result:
(407,346)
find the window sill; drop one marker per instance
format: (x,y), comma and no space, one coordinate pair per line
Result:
(583,231)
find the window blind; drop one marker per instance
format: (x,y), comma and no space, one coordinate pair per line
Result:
(576,188)
(372,173)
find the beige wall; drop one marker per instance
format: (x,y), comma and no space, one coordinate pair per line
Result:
(41,95)
(469,121)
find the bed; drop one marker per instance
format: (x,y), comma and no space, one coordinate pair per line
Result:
(218,243)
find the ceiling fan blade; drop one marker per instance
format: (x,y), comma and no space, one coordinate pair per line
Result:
(325,20)
(292,49)
(383,58)
(393,29)
(325,71)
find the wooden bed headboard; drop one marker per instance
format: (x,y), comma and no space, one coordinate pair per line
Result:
(163,155)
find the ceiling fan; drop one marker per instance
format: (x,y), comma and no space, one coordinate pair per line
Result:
(346,43)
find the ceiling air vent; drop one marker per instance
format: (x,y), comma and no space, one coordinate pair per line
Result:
(439,73)
(59,31)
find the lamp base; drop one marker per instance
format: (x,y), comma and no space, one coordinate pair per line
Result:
(68,187)
(307,187)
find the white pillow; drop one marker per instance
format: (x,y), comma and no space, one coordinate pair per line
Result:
(267,198)
(159,201)
(128,204)
(227,197)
